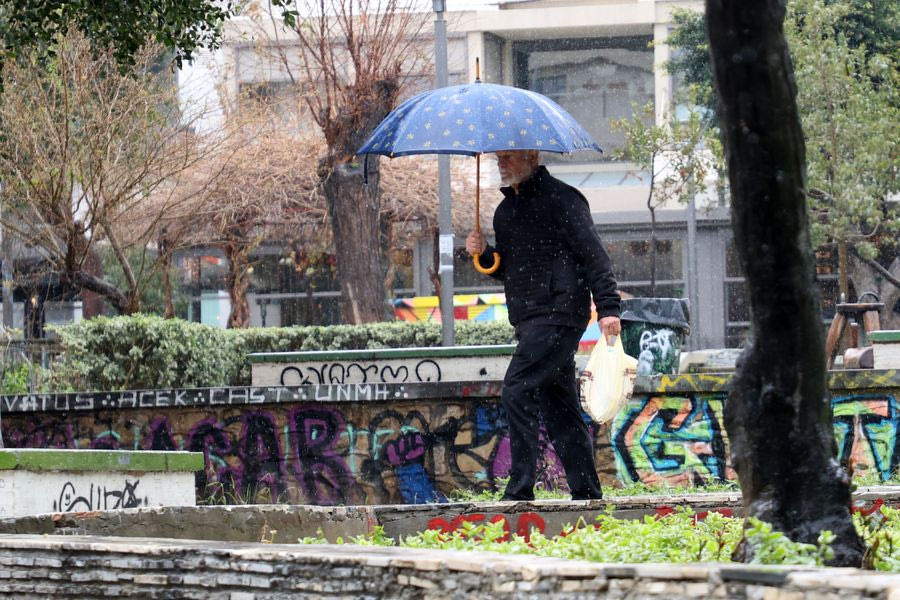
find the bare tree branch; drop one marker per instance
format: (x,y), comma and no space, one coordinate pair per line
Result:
(888,276)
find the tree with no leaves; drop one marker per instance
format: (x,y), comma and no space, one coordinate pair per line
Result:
(90,158)
(255,192)
(351,58)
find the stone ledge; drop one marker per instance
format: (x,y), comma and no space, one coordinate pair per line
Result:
(143,461)
(853,379)
(382,353)
(444,391)
(287,523)
(156,568)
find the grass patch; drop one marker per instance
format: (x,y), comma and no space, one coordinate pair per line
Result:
(631,489)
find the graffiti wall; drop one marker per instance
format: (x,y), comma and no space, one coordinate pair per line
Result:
(417,442)
(673,432)
(327,444)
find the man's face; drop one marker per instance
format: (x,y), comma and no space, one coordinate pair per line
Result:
(516,166)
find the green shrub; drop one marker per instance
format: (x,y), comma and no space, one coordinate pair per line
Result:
(143,351)
(17,378)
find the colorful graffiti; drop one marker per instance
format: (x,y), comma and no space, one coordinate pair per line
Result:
(476,307)
(312,452)
(865,431)
(416,443)
(671,439)
(680,439)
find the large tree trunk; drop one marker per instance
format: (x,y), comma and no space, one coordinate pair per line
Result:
(238,282)
(354,207)
(354,210)
(92,303)
(777,414)
(122,303)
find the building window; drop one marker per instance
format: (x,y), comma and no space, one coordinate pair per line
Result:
(596,79)
(737,295)
(279,98)
(553,86)
(632,263)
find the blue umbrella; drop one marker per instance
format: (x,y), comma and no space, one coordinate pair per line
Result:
(473,119)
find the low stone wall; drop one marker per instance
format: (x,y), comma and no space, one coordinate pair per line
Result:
(388,365)
(95,567)
(287,523)
(379,443)
(35,481)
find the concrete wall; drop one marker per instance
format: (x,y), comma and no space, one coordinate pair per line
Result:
(390,365)
(35,481)
(415,443)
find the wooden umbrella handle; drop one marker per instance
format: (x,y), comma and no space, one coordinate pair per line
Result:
(493,268)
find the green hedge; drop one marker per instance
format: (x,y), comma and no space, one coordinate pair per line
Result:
(145,352)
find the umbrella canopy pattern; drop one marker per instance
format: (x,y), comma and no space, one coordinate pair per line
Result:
(477,118)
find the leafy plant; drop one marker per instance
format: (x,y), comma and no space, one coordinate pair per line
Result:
(774,548)
(677,155)
(17,378)
(676,537)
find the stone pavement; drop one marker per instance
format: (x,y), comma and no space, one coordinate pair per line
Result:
(34,566)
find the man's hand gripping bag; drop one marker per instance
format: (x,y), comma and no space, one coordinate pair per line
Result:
(608,380)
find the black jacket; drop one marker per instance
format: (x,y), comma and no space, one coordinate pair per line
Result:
(551,258)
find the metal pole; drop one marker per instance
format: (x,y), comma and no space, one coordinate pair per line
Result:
(445,267)
(692,275)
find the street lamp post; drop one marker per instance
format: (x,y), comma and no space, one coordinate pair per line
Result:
(445,245)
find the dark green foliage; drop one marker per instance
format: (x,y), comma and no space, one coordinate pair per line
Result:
(146,352)
(148,273)
(874,24)
(124,25)
(690,59)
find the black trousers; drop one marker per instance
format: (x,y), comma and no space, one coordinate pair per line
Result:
(540,387)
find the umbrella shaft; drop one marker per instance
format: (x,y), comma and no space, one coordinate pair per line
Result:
(477,192)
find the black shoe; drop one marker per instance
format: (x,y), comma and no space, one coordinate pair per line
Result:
(508,498)
(588,497)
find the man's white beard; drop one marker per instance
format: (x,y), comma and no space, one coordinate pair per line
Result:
(513,178)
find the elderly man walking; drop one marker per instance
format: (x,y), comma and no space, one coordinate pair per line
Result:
(551,262)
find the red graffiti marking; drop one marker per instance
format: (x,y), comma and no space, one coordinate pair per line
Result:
(662,511)
(876,507)
(525,523)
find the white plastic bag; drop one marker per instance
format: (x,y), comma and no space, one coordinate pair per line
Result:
(608,379)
